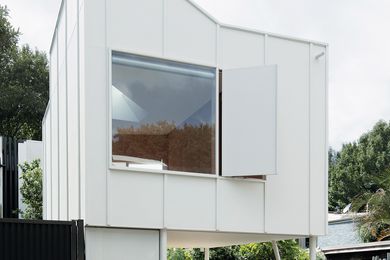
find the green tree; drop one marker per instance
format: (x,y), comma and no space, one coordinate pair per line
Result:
(31,190)
(225,253)
(356,168)
(178,254)
(24,84)
(374,224)
(289,249)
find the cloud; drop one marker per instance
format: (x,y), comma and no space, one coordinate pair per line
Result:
(35,19)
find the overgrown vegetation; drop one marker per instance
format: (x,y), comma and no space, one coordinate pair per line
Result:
(24,84)
(31,190)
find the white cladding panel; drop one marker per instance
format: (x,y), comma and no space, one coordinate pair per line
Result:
(191,37)
(287,193)
(318,146)
(190,202)
(81,57)
(240,206)
(73,127)
(71,17)
(249,121)
(135,199)
(239,49)
(47,188)
(121,244)
(63,144)
(95,109)
(48,161)
(135,25)
(54,128)
(62,119)
(61,36)
(189,34)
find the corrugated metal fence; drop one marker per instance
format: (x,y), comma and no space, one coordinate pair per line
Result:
(41,240)
(9,165)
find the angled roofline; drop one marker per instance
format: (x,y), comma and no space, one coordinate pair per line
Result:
(245,29)
(215,20)
(55,27)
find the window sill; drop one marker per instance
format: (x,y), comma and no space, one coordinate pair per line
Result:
(184,174)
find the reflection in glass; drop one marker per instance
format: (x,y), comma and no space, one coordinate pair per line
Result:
(163,114)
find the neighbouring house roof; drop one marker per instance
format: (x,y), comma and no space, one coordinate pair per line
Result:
(341,231)
(335,218)
(363,247)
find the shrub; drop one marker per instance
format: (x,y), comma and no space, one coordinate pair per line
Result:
(31,189)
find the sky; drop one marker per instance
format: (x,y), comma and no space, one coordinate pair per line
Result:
(357,32)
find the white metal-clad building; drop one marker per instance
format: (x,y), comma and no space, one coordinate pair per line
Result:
(166,127)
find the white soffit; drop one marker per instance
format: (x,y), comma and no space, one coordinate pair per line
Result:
(249,121)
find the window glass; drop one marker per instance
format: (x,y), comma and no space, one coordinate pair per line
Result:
(163,114)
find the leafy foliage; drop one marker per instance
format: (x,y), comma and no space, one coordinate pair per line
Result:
(289,249)
(31,190)
(179,254)
(24,84)
(358,167)
(374,225)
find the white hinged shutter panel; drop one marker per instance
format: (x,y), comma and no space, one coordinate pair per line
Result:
(249,121)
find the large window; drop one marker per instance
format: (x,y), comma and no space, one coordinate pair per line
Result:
(163,114)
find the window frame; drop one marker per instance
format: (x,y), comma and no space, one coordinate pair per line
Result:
(111,166)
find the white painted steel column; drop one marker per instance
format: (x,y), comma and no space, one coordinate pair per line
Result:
(163,244)
(313,247)
(206,253)
(276,250)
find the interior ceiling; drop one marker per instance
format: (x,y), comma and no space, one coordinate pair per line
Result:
(198,239)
